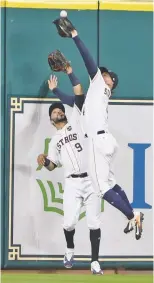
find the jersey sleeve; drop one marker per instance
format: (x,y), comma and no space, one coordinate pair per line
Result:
(75,118)
(79,101)
(65,98)
(77,109)
(87,58)
(98,76)
(53,154)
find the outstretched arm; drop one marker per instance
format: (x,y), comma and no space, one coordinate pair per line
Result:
(65,98)
(87,58)
(66,29)
(77,88)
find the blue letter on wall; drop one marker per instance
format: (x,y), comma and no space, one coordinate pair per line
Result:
(139,175)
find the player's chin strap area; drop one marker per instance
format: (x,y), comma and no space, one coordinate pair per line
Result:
(82,175)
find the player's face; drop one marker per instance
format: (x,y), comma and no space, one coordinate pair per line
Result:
(58,116)
(108,80)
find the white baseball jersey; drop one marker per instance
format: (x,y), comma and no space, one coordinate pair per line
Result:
(101,146)
(95,109)
(66,147)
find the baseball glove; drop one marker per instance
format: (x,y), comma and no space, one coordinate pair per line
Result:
(58,62)
(64,27)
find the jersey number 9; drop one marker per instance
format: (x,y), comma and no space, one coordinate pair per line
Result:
(78,147)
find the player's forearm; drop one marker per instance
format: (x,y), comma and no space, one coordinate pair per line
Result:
(78,90)
(73,79)
(88,59)
(66,99)
(75,83)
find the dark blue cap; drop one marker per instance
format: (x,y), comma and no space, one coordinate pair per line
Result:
(58,105)
(113,75)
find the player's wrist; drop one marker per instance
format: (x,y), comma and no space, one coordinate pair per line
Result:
(74,33)
(69,70)
(74,80)
(53,88)
(47,162)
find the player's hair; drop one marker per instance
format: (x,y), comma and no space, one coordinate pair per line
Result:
(58,105)
(113,76)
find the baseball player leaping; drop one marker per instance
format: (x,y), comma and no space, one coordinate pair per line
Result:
(102,146)
(66,149)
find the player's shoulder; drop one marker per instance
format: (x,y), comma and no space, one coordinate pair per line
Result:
(69,127)
(54,139)
(98,77)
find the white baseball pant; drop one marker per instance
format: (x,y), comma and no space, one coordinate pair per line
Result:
(101,153)
(79,192)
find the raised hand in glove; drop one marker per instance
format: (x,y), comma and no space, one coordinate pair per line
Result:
(64,27)
(58,62)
